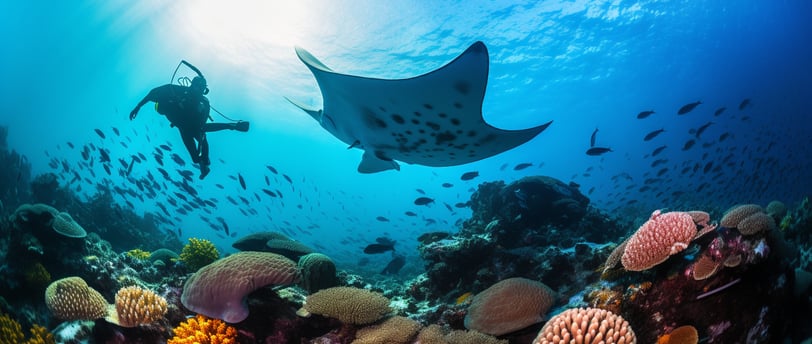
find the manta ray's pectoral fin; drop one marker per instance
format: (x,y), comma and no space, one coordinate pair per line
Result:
(372,163)
(354,144)
(316,114)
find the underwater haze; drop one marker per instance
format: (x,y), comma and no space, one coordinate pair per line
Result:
(70,68)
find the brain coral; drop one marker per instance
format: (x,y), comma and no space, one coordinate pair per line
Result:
(136,306)
(586,325)
(350,305)
(509,305)
(663,235)
(736,214)
(218,290)
(394,330)
(756,223)
(71,298)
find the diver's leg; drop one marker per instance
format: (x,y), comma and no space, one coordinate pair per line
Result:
(239,126)
(189,142)
(204,155)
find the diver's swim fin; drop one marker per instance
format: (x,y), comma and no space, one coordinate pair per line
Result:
(241,126)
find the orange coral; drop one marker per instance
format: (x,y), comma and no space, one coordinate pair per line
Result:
(202,330)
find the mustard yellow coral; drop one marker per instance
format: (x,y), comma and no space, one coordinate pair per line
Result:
(348,304)
(12,333)
(202,330)
(139,254)
(198,253)
(136,306)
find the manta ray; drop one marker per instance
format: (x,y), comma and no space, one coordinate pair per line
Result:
(434,119)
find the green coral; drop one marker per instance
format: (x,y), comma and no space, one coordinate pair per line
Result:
(198,253)
(139,254)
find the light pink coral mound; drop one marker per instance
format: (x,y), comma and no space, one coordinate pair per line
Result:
(663,235)
(586,325)
(218,290)
(509,305)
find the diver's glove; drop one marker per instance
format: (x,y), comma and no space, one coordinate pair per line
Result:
(133,113)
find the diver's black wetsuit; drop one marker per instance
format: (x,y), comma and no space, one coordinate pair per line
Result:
(188,110)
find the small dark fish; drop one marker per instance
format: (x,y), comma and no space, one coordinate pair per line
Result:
(745,103)
(130,168)
(460,205)
(115,131)
(657,150)
(644,114)
(448,206)
(272,169)
(423,201)
(410,213)
(503,167)
(592,139)
(447,185)
(287,178)
(378,248)
(165,147)
(267,181)
(394,265)
(178,160)
(701,129)
(242,181)
(653,134)
(688,144)
(723,136)
(469,175)
(382,219)
(420,191)
(522,166)
(69,144)
(101,134)
(719,111)
(688,108)
(269,192)
(595,151)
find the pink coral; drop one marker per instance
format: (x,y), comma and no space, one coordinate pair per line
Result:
(663,235)
(509,305)
(218,290)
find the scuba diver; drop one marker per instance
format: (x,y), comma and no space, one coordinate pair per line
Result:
(187,108)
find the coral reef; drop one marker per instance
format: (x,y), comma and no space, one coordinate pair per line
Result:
(586,325)
(509,305)
(12,333)
(394,330)
(136,306)
(198,253)
(219,289)
(70,298)
(202,330)
(318,272)
(348,304)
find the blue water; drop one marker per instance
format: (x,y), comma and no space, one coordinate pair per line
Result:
(68,68)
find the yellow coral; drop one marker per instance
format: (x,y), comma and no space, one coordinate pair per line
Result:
(202,330)
(198,253)
(136,306)
(350,305)
(36,276)
(12,333)
(139,254)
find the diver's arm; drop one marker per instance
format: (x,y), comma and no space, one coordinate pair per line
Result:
(152,96)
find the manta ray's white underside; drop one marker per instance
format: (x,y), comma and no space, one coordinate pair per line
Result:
(433,119)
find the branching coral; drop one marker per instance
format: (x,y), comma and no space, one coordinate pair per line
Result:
(198,253)
(202,330)
(11,333)
(136,306)
(139,254)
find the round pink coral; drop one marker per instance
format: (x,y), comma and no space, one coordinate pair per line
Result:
(218,290)
(661,236)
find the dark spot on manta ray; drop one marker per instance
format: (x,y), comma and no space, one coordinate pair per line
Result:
(471,133)
(462,87)
(445,137)
(457,105)
(383,109)
(459,132)
(455,121)
(421,131)
(372,120)
(433,125)
(428,106)
(418,114)
(398,118)
(442,115)
(408,132)
(415,121)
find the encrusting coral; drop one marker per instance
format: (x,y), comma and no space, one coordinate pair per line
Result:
(202,330)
